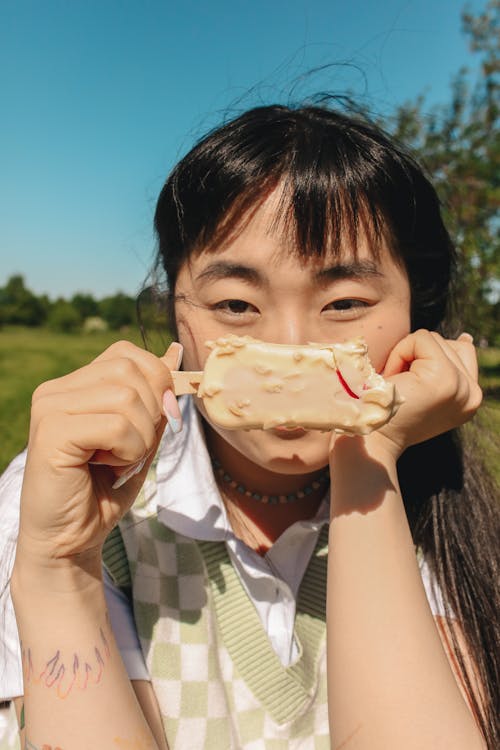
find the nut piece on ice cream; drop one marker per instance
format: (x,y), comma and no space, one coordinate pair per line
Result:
(250,384)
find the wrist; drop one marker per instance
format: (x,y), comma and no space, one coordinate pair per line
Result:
(351,452)
(36,573)
(364,474)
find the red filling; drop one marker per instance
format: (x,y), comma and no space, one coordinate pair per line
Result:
(345,385)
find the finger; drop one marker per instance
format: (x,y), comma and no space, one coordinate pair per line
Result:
(417,346)
(157,370)
(447,347)
(123,476)
(71,440)
(120,350)
(139,470)
(121,363)
(172,359)
(124,363)
(152,367)
(464,346)
(103,387)
(436,362)
(101,399)
(467,391)
(461,352)
(173,356)
(467,356)
(104,457)
(453,351)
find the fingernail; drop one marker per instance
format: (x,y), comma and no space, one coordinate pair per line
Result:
(172,411)
(467,337)
(135,469)
(179,349)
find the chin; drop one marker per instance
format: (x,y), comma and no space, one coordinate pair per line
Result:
(296,453)
(280,450)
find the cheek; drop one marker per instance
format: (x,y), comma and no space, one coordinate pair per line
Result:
(384,338)
(195,327)
(193,341)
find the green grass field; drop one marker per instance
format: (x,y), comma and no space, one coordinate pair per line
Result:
(30,356)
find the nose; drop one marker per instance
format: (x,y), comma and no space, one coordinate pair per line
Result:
(288,328)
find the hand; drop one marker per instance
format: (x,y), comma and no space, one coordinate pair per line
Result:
(438,379)
(85,427)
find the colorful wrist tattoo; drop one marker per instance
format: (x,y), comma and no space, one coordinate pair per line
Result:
(63,677)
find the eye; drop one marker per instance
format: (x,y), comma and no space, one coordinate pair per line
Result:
(235,307)
(346,304)
(347,307)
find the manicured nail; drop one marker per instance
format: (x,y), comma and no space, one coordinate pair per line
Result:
(179,350)
(467,337)
(135,469)
(172,411)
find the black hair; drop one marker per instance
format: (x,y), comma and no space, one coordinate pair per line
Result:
(338,170)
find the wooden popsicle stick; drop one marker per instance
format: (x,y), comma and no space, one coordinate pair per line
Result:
(186,382)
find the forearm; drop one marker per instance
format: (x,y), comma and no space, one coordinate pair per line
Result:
(390,683)
(76,691)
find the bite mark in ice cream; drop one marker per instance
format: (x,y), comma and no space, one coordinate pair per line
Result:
(345,386)
(251,384)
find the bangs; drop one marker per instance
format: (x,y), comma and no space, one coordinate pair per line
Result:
(338,175)
(316,219)
(332,183)
(325,199)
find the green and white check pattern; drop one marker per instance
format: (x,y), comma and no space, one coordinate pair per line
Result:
(218,681)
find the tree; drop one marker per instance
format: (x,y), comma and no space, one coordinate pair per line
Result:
(19,305)
(85,305)
(118,311)
(153,319)
(63,317)
(459,143)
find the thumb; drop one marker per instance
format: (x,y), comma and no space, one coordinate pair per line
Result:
(172,359)
(173,356)
(398,361)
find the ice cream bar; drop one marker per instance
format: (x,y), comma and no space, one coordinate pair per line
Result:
(250,384)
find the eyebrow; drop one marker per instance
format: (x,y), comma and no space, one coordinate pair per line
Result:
(358,269)
(225,270)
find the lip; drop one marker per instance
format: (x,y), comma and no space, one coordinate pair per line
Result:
(289,433)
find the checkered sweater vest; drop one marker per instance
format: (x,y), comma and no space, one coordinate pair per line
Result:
(218,681)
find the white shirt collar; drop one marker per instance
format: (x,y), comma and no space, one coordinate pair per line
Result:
(187,500)
(187,497)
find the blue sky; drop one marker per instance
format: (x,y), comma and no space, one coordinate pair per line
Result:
(99,98)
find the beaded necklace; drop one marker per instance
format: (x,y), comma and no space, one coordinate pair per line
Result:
(322,481)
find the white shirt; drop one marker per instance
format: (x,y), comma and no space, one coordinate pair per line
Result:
(187,500)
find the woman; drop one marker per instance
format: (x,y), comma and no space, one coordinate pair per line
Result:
(289,226)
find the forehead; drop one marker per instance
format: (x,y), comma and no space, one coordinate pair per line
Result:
(267,236)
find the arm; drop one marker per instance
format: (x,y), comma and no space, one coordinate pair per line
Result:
(76,691)
(146,699)
(390,682)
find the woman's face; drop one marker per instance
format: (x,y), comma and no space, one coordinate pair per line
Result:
(253,286)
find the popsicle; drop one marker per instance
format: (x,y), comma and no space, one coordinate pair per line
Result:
(250,384)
